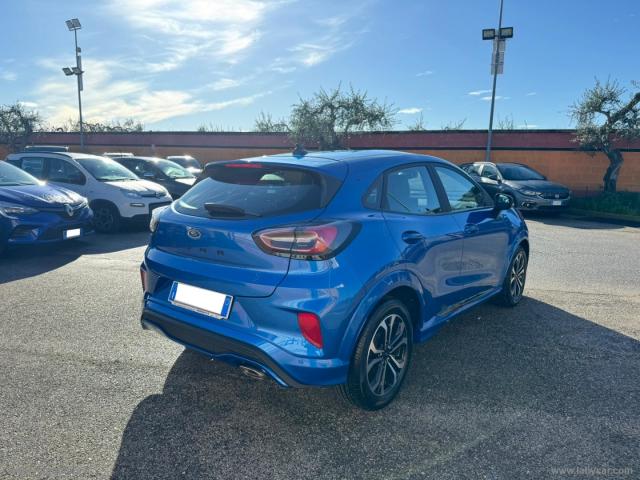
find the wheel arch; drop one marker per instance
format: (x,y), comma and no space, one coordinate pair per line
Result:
(400,284)
(98,202)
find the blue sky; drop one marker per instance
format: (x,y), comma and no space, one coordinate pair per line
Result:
(177,64)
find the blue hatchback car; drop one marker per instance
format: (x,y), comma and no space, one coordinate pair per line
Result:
(32,212)
(325,269)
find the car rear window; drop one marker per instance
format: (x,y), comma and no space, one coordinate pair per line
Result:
(248,189)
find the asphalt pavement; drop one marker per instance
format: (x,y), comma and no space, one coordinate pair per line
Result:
(550,389)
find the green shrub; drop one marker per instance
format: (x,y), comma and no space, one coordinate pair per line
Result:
(625,203)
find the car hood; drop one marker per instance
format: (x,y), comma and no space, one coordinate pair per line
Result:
(143,187)
(39,196)
(186,181)
(537,185)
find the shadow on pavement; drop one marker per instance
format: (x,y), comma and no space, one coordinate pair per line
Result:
(28,261)
(567,220)
(498,393)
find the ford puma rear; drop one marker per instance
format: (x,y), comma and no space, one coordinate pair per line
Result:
(323,269)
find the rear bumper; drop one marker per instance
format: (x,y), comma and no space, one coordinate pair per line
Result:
(284,368)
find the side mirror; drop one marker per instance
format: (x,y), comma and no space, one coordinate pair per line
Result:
(502,202)
(493,177)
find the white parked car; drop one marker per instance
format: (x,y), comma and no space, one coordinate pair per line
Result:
(115,194)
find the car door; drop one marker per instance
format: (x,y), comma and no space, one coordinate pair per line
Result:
(490,179)
(486,235)
(430,242)
(64,174)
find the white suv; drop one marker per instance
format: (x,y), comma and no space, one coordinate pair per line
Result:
(115,194)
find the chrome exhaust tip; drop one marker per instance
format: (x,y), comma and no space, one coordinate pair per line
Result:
(252,373)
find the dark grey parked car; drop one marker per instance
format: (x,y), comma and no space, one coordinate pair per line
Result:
(175,178)
(530,190)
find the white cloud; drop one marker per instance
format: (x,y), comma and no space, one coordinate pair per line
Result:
(225,83)
(426,73)
(410,110)
(8,76)
(498,97)
(310,54)
(28,104)
(185,29)
(477,93)
(531,94)
(106,99)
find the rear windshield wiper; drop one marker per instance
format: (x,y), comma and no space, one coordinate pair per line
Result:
(219,210)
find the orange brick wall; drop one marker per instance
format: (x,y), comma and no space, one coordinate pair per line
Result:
(550,152)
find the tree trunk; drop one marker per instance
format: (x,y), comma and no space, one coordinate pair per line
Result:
(611,175)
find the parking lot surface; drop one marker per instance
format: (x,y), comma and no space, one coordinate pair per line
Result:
(549,389)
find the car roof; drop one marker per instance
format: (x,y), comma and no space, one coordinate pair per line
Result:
(70,155)
(146,159)
(385,158)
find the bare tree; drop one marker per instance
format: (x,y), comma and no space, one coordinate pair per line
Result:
(454,125)
(603,118)
(266,124)
(17,125)
(419,126)
(506,123)
(329,118)
(127,125)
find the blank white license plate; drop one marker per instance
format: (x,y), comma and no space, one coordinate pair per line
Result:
(76,232)
(207,302)
(556,202)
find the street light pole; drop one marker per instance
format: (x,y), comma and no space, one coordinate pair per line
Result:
(74,25)
(79,67)
(487,157)
(499,37)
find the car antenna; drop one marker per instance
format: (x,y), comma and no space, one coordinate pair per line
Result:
(299,150)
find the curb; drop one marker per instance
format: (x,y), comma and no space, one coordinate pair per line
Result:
(617,218)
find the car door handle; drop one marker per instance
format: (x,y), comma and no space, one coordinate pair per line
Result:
(411,236)
(470,229)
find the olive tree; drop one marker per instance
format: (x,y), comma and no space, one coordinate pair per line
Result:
(329,118)
(604,118)
(17,125)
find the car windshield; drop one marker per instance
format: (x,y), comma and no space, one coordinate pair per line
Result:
(519,172)
(11,176)
(172,169)
(186,162)
(106,170)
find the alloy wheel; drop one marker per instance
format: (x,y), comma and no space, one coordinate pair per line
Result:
(103,219)
(518,275)
(387,355)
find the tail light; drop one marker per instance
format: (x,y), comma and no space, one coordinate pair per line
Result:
(309,324)
(307,242)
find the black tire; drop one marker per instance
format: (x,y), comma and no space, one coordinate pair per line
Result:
(514,280)
(106,218)
(377,355)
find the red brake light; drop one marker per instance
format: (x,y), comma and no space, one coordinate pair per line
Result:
(311,242)
(309,324)
(243,165)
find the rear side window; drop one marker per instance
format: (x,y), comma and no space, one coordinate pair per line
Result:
(410,190)
(246,189)
(33,166)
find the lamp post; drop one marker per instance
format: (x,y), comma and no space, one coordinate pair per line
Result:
(74,25)
(499,37)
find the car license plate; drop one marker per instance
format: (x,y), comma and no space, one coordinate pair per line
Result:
(207,302)
(76,232)
(556,203)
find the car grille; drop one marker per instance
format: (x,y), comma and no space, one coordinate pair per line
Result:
(62,212)
(555,195)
